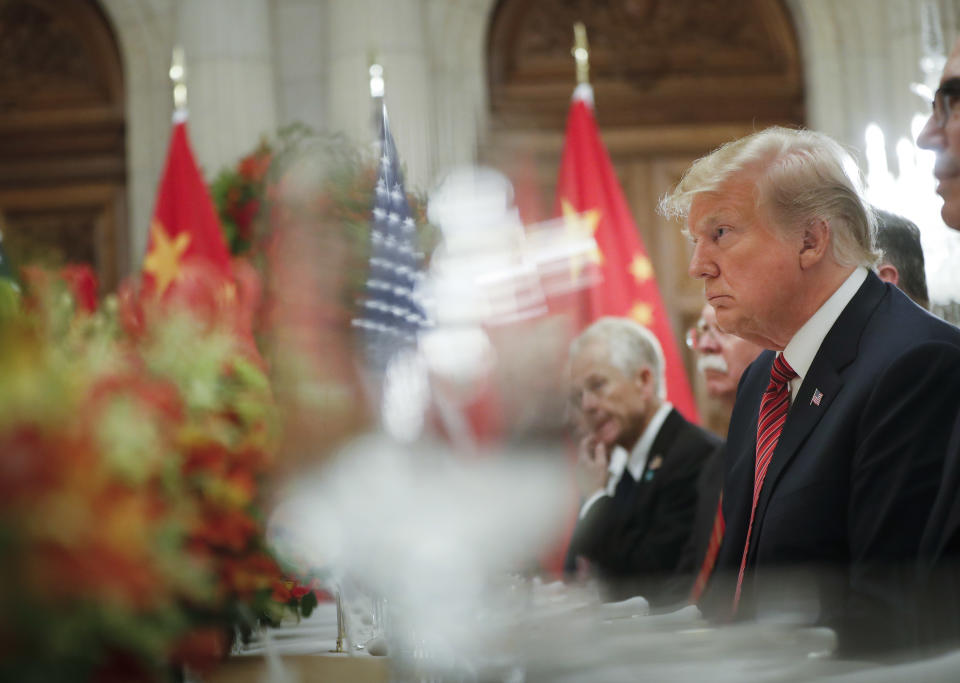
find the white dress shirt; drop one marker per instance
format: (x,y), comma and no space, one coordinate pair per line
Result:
(636,462)
(803,346)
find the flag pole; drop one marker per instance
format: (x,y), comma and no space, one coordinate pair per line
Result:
(377,88)
(178,75)
(581,53)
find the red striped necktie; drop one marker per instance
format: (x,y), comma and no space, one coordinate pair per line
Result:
(773,413)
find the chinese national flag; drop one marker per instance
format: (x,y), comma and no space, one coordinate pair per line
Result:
(185,229)
(591,201)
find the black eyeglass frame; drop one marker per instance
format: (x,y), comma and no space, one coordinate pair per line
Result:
(944,101)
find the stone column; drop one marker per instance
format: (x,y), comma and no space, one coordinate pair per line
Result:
(145,31)
(394,31)
(459,68)
(229,58)
(300,30)
(860,57)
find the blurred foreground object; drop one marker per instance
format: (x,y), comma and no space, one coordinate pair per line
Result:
(316,246)
(424,530)
(133,441)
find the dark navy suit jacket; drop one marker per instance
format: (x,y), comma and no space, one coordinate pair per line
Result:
(939,566)
(852,480)
(635,545)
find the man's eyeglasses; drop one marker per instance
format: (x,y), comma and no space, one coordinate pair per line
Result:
(697,335)
(944,100)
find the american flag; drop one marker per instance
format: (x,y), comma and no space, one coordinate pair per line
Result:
(391,313)
(817,397)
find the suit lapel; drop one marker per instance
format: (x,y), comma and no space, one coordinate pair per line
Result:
(659,450)
(838,350)
(663,442)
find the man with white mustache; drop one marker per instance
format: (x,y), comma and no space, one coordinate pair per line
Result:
(721,357)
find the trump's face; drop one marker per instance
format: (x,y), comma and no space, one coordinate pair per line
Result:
(750,272)
(942,135)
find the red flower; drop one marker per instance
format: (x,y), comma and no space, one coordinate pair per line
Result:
(243,215)
(209,457)
(299,591)
(254,167)
(30,462)
(228,529)
(247,575)
(130,310)
(82,282)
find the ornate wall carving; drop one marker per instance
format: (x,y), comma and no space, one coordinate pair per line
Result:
(62,134)
(652,61)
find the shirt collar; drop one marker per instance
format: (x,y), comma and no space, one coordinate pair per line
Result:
(618,461)
(640,452)
(803,346)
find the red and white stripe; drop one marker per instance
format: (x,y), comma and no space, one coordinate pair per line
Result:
(773,414)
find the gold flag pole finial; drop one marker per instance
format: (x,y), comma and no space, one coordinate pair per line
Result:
(376,74)
(178,74)
(581,52)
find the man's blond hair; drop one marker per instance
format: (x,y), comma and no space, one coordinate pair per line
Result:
(799,176)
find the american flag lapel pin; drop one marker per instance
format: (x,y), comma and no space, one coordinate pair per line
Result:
(816,398)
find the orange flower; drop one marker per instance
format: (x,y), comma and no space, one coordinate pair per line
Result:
(282,591)
(230,530)
(247,575)
(209,456)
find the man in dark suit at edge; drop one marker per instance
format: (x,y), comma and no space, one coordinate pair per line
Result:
(836,441)
(939,565)
(638,463)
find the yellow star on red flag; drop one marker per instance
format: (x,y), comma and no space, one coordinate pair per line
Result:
(642,312)
(641,268)
(163,261)
(581,225)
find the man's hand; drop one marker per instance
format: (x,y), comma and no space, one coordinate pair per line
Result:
(592,463)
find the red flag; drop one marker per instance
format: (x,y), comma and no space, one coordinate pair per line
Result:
(590,199)
(185,229)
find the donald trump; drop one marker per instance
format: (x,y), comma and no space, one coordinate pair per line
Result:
(837,436)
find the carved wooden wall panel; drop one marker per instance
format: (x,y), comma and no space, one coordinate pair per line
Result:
(673,79)
(62,153)
(652,61)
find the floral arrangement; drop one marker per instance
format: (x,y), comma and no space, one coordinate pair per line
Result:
(311,238)
(238,193)
(136,435)
(133,440)
(249,195)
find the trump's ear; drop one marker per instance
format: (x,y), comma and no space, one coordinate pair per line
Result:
(889,273)
(816,242)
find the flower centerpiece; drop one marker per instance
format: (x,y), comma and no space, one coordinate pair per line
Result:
(133,440)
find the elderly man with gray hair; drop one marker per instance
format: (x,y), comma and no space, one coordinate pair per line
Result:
(837,437)
(638,463)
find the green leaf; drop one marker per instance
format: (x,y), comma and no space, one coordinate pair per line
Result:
(307,604)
